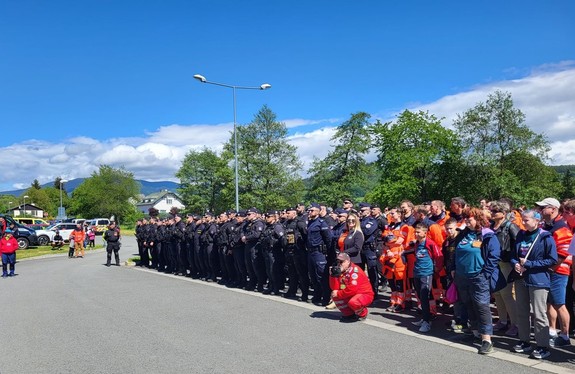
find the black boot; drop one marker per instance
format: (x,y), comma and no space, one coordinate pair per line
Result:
(109,259)
(117,259)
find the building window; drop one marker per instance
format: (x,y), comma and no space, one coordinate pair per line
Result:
(168,201)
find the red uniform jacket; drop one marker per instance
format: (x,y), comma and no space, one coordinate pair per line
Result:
(351,282)
(8,246)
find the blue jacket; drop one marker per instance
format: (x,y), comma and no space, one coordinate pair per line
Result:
(542,257)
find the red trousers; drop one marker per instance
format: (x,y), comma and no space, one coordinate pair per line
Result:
(357,304)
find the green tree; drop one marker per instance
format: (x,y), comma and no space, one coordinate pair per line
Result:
(415,153)
(39,198)
(268,165)
(502,153)
(568,185)
(107,192)
(206,182)
(491,131)
(36,184)
(344,171)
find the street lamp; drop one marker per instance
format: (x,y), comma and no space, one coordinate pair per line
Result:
(264,86)
(9,205)
(25,197)
(61,214)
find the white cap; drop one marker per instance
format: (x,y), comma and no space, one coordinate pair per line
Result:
(549,201)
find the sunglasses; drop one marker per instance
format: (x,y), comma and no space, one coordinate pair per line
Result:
(351,220)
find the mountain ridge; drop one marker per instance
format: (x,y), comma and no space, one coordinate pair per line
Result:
(146,187)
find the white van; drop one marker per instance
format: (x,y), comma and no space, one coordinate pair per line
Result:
(99,225)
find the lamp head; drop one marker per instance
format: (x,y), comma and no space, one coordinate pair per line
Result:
(265,86)
(201,78)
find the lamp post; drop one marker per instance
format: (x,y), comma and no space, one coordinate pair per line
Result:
(264,86)
(25,197)
(61,214)
(9,205)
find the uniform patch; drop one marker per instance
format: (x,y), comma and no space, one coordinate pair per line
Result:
(354,276)
(354,282)
(368,225)
(355,270)
(342,287)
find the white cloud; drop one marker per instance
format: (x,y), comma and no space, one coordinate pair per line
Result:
(545,95)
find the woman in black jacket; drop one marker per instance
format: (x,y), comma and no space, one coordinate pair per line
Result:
(353,241)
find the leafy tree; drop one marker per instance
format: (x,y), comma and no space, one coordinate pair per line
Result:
(7,202)
(568,185)
(107,192)
(206,182)
(268,165)
(39,198)
(36,185)
(344,171)
(491,131)
(413,153)
(502,153)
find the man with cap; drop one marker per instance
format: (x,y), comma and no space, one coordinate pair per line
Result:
(238,249)
(562,235)
(151,241)
(351,289)
(319,237)
(112,238)
(207,242)
(381,227)
(272,244)
(140,239)
(347,205)
(369,227)
(189,232)
(295,255)
(254,259)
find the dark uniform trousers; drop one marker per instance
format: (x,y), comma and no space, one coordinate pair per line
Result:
(369,259)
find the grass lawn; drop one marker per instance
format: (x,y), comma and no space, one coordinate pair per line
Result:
(44,250)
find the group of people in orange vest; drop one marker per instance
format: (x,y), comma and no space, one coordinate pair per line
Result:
(520,257)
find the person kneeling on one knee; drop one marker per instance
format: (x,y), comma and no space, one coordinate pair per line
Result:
(351,289)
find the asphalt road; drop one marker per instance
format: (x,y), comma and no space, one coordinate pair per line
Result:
(63,315)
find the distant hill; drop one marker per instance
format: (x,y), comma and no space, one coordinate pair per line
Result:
(146,187)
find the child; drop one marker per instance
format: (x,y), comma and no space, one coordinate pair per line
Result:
(8,247)
(71,249)
(427,256)
(91,237)
(459,311)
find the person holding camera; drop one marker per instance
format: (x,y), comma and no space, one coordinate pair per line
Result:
(351,289)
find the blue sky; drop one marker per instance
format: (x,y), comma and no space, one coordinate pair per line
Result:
(84,83)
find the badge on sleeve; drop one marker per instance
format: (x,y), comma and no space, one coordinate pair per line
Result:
(354,276)
(342,287)
(354,282)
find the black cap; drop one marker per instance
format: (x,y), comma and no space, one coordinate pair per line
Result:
(253,210)
(242,213)
(339,211)
(314,206)
(364,205)
(348,201)
(271,213)
(291,208)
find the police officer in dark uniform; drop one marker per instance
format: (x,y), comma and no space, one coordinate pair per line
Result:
(272,248)
(222,240)
(209,250)
(160,249)
(319,239)
(112,238)
(254,259)
(140,239)
(381,227)
(296,275)
(178,237)
(238,249)
(198,250)
(189,231)
(368,252)
(151,241)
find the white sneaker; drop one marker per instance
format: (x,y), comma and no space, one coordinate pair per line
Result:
(425,327)
(418,323)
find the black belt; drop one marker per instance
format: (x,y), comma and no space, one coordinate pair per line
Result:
(313,249)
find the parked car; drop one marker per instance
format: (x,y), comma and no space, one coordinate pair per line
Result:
(99,225)
(34,223)
(24,235)
(46,236)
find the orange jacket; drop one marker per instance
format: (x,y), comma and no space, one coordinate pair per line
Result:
(562,236)
(78,236)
